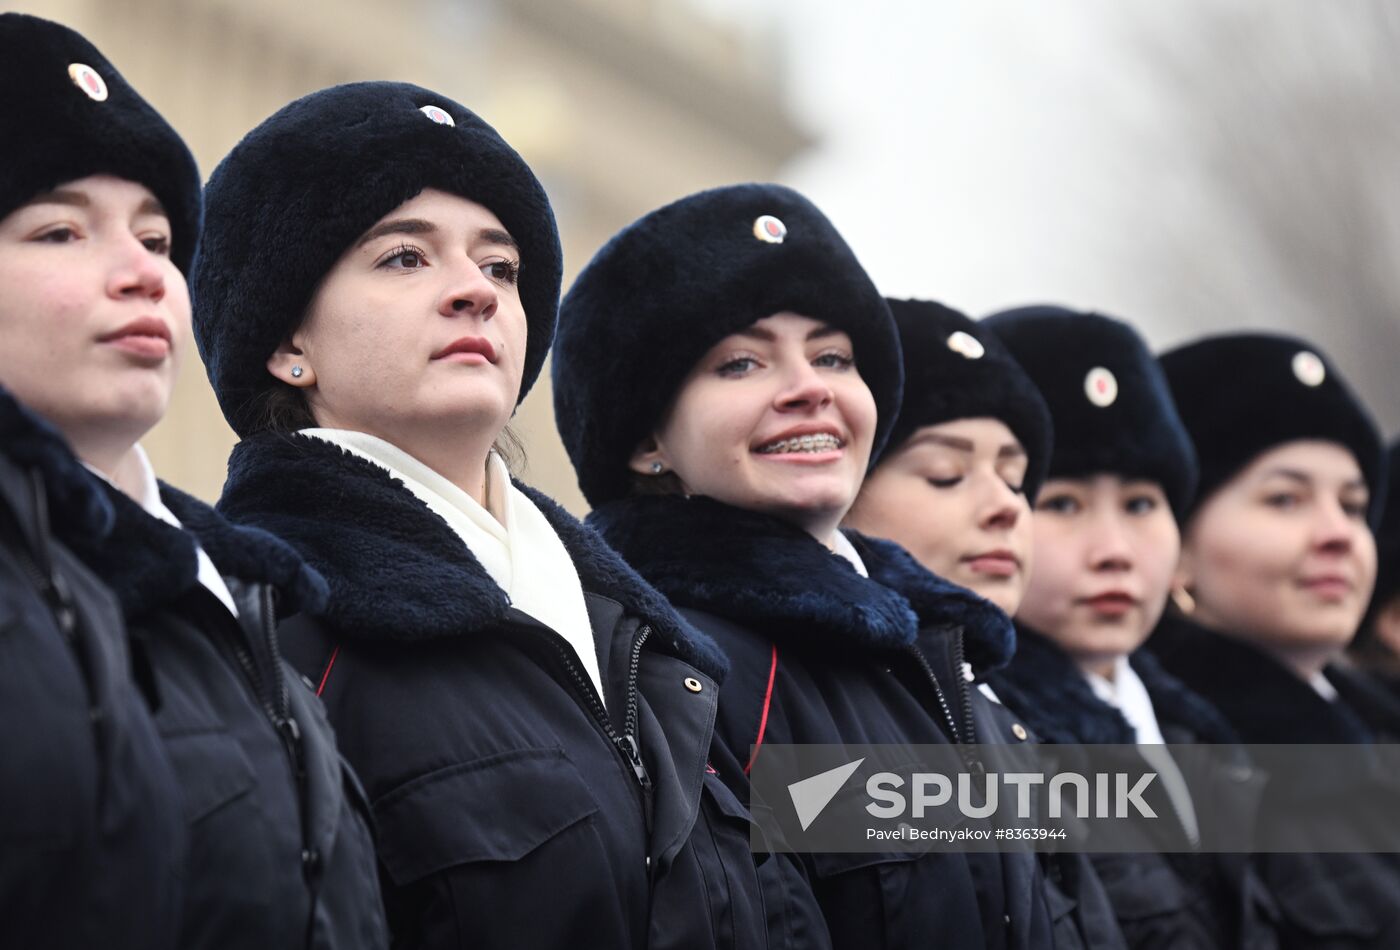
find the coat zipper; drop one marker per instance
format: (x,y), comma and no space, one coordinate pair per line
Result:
(963,687)
(969,757)
(626,742)
(271,692)
(35,563)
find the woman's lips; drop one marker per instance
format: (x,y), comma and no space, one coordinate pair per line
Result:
(468,349)
(146,340)
(993,563)
(1110,603)
(1328,587)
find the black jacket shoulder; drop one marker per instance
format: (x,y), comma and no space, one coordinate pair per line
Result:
(266,798)
(90,847)
(498,775)
(822,654)
(1325,900)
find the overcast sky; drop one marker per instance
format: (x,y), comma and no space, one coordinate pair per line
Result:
(999,152)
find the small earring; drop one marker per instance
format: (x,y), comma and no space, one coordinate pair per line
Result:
(657,468)
(296,372)
(1183,599)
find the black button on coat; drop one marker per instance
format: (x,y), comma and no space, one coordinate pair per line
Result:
(513,810)
(850,660)
(90,838)
(280,853)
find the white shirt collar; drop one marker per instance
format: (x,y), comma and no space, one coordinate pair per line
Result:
(1126,693)
(1323,686)
(150,501)
(842,546)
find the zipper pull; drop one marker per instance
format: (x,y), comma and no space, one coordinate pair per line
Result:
(291,739)
(629,748)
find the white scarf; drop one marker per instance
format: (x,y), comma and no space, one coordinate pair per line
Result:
(511,538)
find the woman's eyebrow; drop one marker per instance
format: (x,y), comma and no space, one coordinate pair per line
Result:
(397,226)
(60,197)
(497,236)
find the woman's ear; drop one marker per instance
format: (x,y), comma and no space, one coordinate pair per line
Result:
(289,364)
(1183,580)
(649,458)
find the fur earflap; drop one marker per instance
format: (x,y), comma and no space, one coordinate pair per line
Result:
(395,569)
(1245,393)
(1112,410)
(70,114)
(955,368)
(303,186)
(668,287)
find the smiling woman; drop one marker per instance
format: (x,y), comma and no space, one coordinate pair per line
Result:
(1279,560)
(726,374)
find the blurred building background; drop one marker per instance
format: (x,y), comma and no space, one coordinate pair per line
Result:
(1194,167)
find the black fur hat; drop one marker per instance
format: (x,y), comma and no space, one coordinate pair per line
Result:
(669,286)
(1241,394)
(1388,537)
(1113,412)
(69,114)
(954,368)
(300,188)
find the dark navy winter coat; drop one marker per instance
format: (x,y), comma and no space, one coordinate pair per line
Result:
(820,654)
(514,809)
(90,839)
(1175,897)
(1325,901)
(280,851)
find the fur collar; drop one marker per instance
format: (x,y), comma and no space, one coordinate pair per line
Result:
(396,570)
(1263,701)
(1043,684)
(150,564)
(77,506)
(757,569)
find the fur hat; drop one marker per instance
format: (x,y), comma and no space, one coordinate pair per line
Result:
(300,188)
(954,368)
(1112,410)
(671,285)
(1244,393)
(70,114)
(1387,541)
